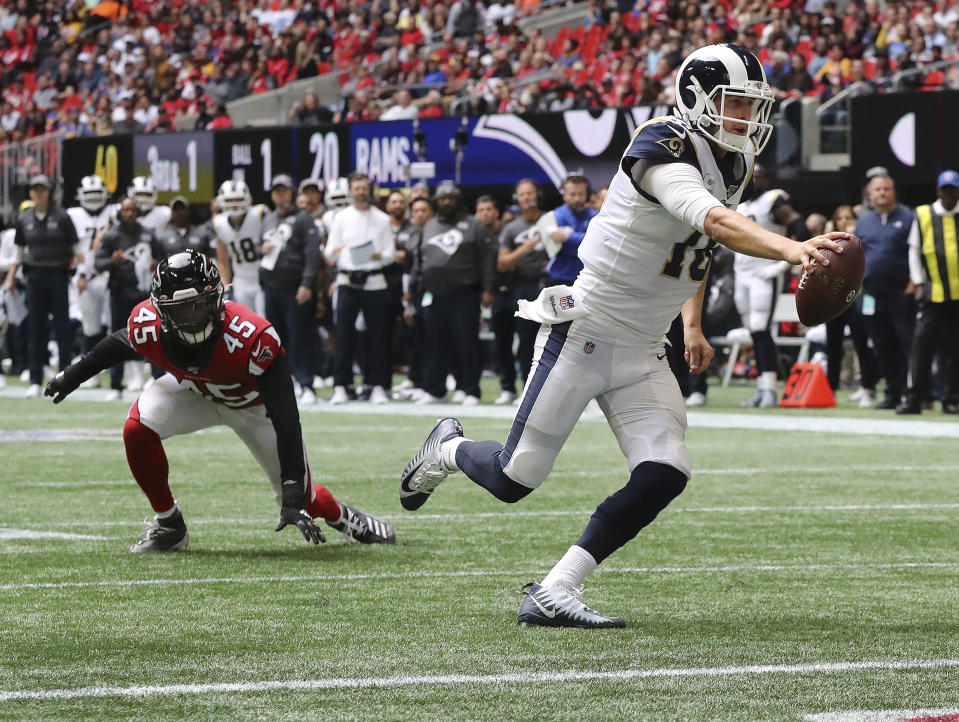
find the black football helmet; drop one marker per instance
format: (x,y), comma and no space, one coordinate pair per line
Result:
(187,294)
(708,78)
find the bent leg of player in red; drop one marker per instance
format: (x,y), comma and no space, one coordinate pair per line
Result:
(148,462)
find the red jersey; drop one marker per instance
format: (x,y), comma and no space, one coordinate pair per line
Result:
(246,347)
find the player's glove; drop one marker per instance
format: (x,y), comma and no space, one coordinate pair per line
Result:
(292,512)
(61,386)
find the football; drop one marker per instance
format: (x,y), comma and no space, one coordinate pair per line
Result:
(827,291)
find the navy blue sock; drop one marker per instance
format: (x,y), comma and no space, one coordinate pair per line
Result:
(620,517)
(480,461)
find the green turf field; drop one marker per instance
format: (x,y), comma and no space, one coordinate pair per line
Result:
(802,572)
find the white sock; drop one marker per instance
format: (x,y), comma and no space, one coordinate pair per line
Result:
(766,381)
(170,512)
(448,453)
(572,569)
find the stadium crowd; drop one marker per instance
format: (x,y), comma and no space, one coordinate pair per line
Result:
(121,66)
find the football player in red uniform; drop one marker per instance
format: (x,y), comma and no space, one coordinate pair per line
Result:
(225,365)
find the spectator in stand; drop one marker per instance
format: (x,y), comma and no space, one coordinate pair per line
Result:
(572,219)
(310,112)
(888,305)
(126,124)
(457,274)
(432,105)
(220,119)
(361,245)
(837,61)
(797,79)
(203,115)
(402,108)
(465,17)
(820,55)
(162,123)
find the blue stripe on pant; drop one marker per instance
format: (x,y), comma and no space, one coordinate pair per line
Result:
(483,461)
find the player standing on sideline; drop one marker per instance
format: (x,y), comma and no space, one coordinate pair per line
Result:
(646,258)
(144,192)
(91,218)
(758,281)
(226,366)
(239,228)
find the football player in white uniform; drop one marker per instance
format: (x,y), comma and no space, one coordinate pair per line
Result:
(646,257)
(238,228)
(90,218)
(758,281)
(144,192)
(335,198)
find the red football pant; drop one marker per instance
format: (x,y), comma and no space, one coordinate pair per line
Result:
(147,461)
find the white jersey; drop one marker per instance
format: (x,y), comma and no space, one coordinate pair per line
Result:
(642,262)
(243,244)
(760,209)
(88,226)
(328,217)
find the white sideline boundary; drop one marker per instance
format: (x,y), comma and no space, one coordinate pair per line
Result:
(769,420)
(524,678)
(880,715)
(521,573)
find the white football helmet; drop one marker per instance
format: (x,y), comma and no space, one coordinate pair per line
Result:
(234,198)
(144,192)
(706,81)
(337,194)
(92,194)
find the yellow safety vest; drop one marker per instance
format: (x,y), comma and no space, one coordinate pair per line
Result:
(940,253)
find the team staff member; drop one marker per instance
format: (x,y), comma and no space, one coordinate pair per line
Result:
(291,261)
(521,252)
(128,252)
(46,242)
(421,210)
(226,367)
(934,270)
(179,235)
(573,218)
(457,274)
(403,230)
(888,304)
(361,244)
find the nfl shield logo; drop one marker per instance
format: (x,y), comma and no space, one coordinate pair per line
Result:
(566,303)
(589,347)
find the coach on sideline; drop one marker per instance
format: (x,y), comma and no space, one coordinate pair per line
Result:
(291,260)
(45,240)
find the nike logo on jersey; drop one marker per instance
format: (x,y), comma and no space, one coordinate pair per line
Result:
(661,357)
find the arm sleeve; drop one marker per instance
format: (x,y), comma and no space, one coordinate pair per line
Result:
(19,239)
(916,273)
(279,398)
(679,188)
(488,253)
(112,350)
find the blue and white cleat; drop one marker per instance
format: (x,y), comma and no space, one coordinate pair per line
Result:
(426,470)
(561,606)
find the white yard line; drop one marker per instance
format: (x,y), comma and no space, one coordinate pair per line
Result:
(520,573)
(508,515)
(524,678)
(883,715)
(8,533)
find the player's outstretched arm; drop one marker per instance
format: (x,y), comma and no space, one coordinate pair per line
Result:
(742,235)
(276,390)
(112,350)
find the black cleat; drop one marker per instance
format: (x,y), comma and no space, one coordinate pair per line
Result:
(364,528)
(163,535)
(426,470)
(561,606)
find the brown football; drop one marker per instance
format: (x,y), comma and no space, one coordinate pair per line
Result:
(826,291)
